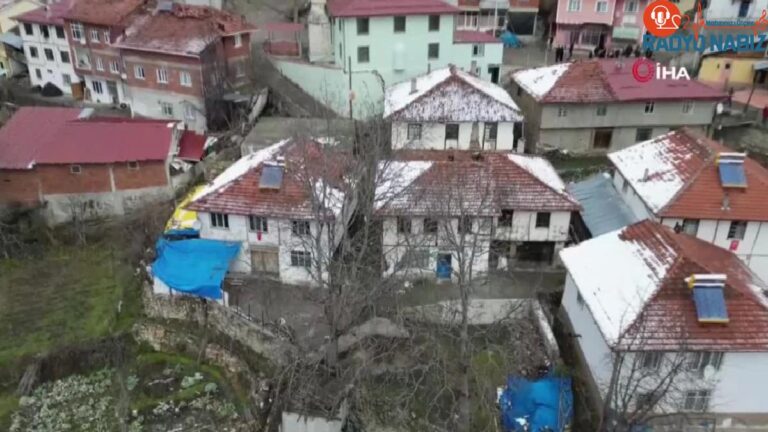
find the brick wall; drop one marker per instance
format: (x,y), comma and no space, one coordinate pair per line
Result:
(95,49)
(147,175)
(18,186)
(174,65)
(57,179)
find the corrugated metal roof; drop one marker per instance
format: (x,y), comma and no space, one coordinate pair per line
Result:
(603,210)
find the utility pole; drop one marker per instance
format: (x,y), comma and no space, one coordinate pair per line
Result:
(350,96)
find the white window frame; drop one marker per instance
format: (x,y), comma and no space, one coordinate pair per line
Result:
(651,360)
(574,5)
(162,75)
(99,64)
(66,79)
(138,72)
(106,36)
(301,259)
(133,165)
(738,233)
(633,8)
(95,35)
(697,400)
(258,224)
(413,131)
(597,6)
(219,220)
(562,111)
(75,169)
(478,50)
(688,107)
(301,227)
(190,112)
(166,108)
(61,56)
(114,67)
(97,87)
(238,40)
(185,79)
(649,107)
(78,31)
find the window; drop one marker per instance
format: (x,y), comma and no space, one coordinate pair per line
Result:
(138,72)
(687,107)
(542,220)
(60,32)
(430,226)
(699,360)
(414,131)
(414,258)
(75,169)
(97,87)
(491,131)
(44,31)
(84,61)
(99,64)
(301,259)
(238,40)
(452,131)
(643,134)
(94,35)
(649,107)
(49,54)
(697,400)
(651,360)
(363,54)
(630,6)
(505,220)
(602,110)
(106,37)
(66,79)
(362,26)
(574,5)
(300,228)
(240,68)
(691,226)
(403,225)
(189,112)
(166,108)
(433,51)
(465,225)
(64,56)
(601,6)
(434,23)
(78,32)
(258,223)
(133,165)
(114,67)
(478,50)
(736,230)
(162,76)
(562,111)
(185,79)
(219,220)
(33,52)
(399,24)
(644,400)
(28,29)
(38,73)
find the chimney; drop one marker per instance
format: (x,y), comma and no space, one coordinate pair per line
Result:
(413,85)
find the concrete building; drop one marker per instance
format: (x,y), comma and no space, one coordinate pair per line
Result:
(734,70)
(481,15)
(445,212)
(682,180)
(451,109)
(68,164)
(523,19)
(636,294)
(735,10)
(588,24)
(46,48)
(288,213)
(380,44)
(596,106)
(12,59)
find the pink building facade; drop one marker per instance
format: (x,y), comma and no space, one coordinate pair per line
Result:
(589,23)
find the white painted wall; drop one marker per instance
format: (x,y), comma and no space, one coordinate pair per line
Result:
(146,102)
(630,197)
(104,97)
(433,137)
(50,71)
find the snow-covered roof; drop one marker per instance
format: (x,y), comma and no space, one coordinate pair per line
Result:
(541,169)
(633,282)
(449,94)
(539,81)
(394,177)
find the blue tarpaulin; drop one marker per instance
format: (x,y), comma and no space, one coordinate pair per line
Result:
(194,266)
(545,404)
(510,40)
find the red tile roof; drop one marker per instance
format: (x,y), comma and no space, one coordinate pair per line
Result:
(38,135)
(465,36)
(187,30)
(466,185)
(52,14)
(696,191)
(305,162)
(102,12)
(668,319)
(611,80)
(191,146)
(368,8)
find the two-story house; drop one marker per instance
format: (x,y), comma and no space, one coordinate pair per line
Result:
(585,24)
(482,15)
(68,163)
(46,47)
(685,180)
(285,204)
(595,106)
(451,109)
(445,211)
(670,326)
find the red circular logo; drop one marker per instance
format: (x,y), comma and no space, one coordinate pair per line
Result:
(662,18)
(643,70)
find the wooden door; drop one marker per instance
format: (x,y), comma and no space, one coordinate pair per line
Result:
(264,261)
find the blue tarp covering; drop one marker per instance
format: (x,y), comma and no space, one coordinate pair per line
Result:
(510,39)
(545,404)
(195,266)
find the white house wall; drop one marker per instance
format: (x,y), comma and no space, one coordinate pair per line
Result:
(741,384)
(433,136)
(51,71)
(146,102)
(630,197)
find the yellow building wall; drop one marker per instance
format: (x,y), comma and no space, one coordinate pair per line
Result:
(7,13)
(713,70)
